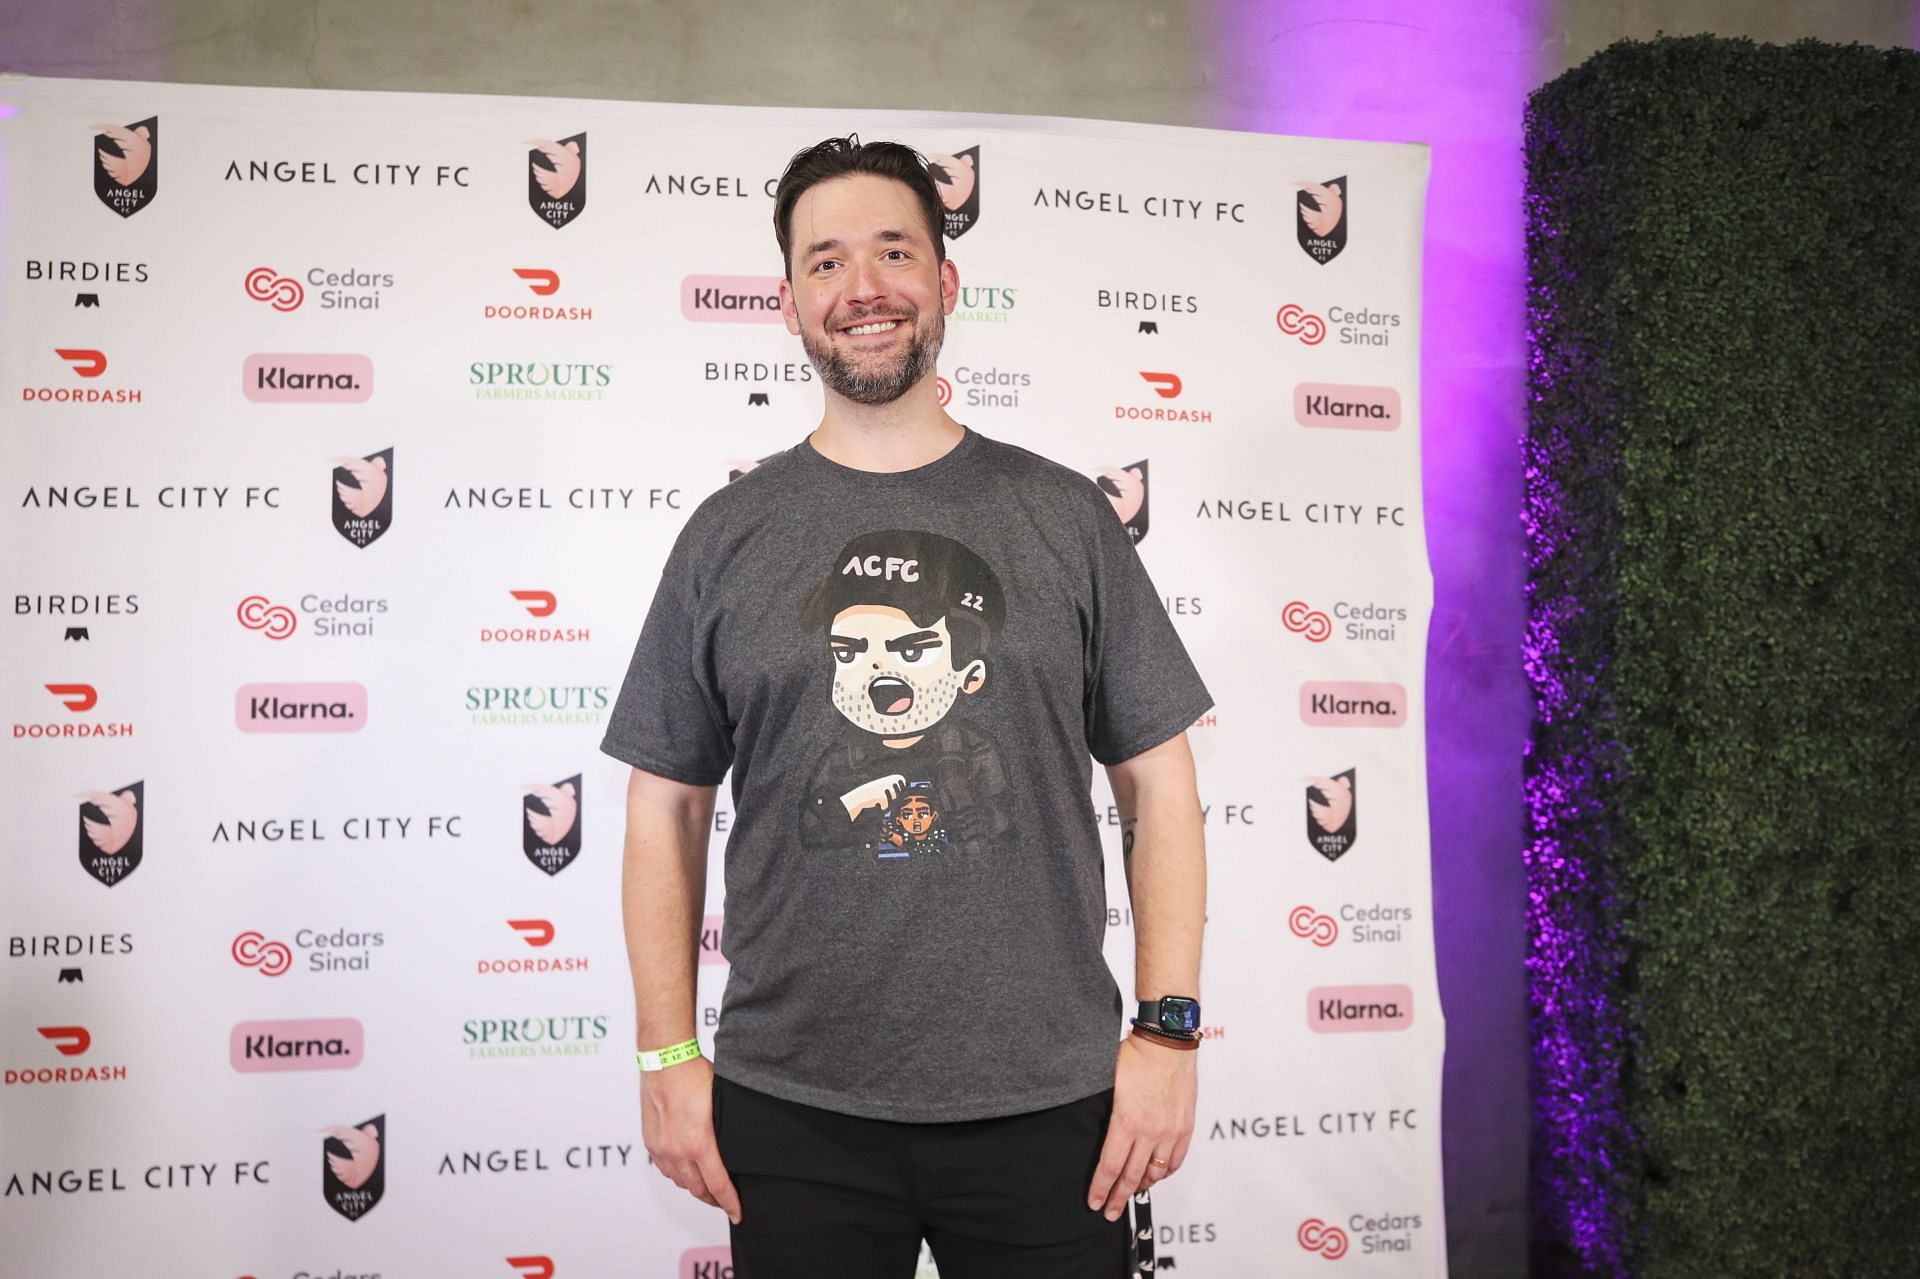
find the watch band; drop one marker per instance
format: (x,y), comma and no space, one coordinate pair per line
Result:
(661,1058)
(1178,1014)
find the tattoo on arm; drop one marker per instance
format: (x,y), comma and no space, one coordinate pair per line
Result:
(1126,838)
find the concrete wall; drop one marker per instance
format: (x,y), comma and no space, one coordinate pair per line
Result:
(1453,73)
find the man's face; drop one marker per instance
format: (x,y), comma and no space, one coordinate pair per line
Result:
(916,816)
(893,676)
(866,292)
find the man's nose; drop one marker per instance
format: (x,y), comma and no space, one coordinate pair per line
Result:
(864,283)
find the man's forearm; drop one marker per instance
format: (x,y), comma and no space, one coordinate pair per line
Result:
(1164,853)
(663,886)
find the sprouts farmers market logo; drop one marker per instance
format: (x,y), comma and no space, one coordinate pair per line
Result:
(572,382)
(985,304)
(518,1038)
(529,705)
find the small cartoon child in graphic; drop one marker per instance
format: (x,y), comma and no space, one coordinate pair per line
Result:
(913,824)
(909,619)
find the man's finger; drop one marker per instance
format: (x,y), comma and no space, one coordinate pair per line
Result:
(1130,1180)
(719,1186)
(1179,1155)
(1113,1161)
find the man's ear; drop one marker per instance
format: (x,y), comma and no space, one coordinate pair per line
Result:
(788,311)
(975,677)
(949,287)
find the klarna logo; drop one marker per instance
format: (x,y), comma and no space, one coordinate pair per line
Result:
(300,708)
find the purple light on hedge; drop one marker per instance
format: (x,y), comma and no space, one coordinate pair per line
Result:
(1574,954)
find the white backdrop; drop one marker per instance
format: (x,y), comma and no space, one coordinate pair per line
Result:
(345,435)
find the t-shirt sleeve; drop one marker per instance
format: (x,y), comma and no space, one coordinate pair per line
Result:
(1142,687)
(668,718)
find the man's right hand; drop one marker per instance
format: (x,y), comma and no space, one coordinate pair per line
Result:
(676,1123)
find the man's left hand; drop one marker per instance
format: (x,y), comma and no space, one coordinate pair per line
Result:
(1153,1100)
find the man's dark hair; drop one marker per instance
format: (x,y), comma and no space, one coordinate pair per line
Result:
(839,157)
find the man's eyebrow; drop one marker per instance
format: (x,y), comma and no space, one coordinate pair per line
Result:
(891,235)
(821,246)
(855,645)
(919,639)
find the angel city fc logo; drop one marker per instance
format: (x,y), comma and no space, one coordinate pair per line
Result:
(1322,224)
(363,496)
(550,830)
(112,834)
(1126,488)
(957,178)
(1333,814)
(557,179)
(126,166)
(906,623)
(353,1167)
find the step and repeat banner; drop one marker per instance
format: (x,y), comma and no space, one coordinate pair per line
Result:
(345,436)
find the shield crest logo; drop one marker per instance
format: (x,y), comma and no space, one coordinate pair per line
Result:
(363,497)
(126,165)
(957,178)
(1126,488)
(353,1167)
(1322,218)
(557,179)
(550,825)
(1333,813)
(113,831)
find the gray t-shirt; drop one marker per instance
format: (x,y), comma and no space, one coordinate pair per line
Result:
(907,673)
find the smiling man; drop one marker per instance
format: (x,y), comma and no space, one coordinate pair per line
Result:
(909,643)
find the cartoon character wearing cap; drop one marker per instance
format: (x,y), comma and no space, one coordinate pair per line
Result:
(909,619)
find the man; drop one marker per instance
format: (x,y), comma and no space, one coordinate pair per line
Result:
(914,1046)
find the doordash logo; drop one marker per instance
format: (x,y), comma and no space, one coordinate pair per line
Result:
(1165,385)
(537,604)
(88,364)
(542,283)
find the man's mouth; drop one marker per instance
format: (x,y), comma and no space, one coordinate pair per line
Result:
(868,327)
(890,695)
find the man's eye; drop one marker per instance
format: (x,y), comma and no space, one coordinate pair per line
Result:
(844,656)
(911,654)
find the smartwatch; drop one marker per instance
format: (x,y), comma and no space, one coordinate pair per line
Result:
(1174,1014)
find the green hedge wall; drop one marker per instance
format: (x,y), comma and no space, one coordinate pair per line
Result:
(1724,496)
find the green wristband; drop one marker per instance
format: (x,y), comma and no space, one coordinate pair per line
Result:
(661,1058)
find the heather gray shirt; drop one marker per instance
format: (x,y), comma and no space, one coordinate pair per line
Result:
(907,674)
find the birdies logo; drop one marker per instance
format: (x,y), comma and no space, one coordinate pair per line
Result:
(126,170)
(353,1168)
(557,179)
(112,834)
(1126,488)
(1316,1235)
(957,178)
(550,834)
(1322,224)
(1333,814)
(363,497)
(1296,321)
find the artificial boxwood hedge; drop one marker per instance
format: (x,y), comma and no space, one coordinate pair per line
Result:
(1724,500)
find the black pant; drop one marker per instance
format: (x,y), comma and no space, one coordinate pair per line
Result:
(826,1194)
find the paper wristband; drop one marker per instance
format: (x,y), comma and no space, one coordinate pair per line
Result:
(661,1058)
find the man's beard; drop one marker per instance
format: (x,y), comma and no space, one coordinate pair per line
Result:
(885,385)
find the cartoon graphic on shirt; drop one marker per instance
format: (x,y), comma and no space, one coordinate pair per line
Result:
(909,619)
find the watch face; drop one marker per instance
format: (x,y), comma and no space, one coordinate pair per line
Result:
(1179,1014)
